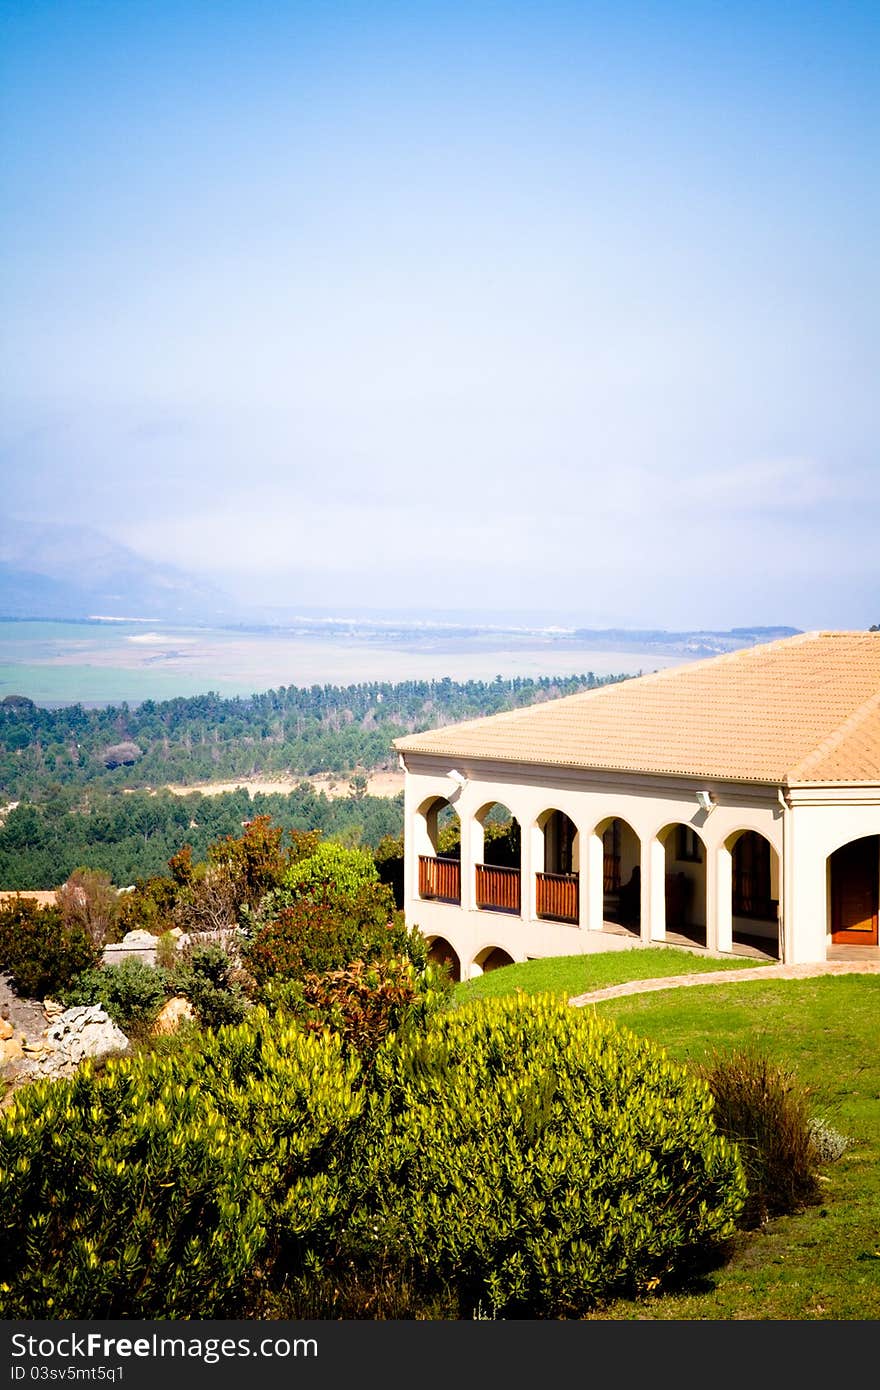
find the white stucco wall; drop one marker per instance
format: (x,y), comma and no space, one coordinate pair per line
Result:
(822,820)
(647,804)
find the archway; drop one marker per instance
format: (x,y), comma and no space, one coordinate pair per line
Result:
(684,883)
(616,875)
(440,952)
(492,958)
(557,895)
(438,836)
(497,855)
(754,888)
(854,892)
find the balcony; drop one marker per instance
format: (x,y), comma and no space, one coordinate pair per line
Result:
(439,878)
(558,897)
(497,888)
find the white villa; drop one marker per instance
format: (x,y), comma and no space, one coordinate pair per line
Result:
(731,804)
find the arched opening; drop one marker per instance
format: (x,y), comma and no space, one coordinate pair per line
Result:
(854,892)
(557,884)
(496,835)
(441,953)
(438,832)
(754,892)
(621,853)
(685,884)
(492,958)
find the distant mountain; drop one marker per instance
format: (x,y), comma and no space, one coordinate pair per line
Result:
(52,571)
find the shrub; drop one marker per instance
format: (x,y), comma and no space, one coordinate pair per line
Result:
(154,1188)
(132,993)
(331,868)
(206,977)
(38,951)
(828,1143)
(366,1003)
(389,858)
(89,901)
(541,1160)
(764,1109)
(148,906)
(332,931)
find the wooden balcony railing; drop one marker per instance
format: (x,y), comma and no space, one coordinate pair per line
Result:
(611,873)
(439,878)
(557,897)
(498,888)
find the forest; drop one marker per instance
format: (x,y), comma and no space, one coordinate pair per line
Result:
(88,782)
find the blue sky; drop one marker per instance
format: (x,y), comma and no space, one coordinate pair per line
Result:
(564,307)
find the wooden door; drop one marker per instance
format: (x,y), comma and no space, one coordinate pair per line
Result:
(855,886)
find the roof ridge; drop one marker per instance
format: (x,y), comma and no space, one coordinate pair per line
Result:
(835,738)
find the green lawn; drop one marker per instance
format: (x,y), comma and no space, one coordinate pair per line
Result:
(571,975)
(824,1262)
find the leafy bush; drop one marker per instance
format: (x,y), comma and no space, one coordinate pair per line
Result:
(764,1109)
(541,1160)
(154,1188)
(330,932)
(330,868)
(365,1003)
(206,977)
(132,993)
(38,951)
(389,857)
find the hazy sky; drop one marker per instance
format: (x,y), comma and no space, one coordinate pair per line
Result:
(514,305)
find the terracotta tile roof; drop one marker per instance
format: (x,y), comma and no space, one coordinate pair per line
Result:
(804,709)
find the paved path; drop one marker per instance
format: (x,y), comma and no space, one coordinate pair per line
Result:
(730,977)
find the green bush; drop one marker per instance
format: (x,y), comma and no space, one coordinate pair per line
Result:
(330,932)
(206,977)
(389,858)
(132,993)
(366,1003)
(541,1160)
(38,951)
(331,866)
(764,1109)
(158,1187)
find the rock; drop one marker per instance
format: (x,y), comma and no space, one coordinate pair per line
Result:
(51,1008)
(139,937)
(6,1030)
(77,1033)
(10,1050)
(178,1010)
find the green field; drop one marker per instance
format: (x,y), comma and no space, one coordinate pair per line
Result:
(571,975)
(823,1263)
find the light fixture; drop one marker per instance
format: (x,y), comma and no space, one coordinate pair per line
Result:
(457,777)
(706,802)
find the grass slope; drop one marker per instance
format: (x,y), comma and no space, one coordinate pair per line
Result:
(570,975)
(824,1262)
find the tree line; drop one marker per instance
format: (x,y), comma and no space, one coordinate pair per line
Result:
(132,835)
(294,730)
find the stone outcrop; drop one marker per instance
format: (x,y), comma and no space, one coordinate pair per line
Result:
(139,943)
(178,1010)
(75,1034)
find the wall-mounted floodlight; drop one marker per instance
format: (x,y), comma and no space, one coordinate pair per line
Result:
(455,776)
(706,802)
